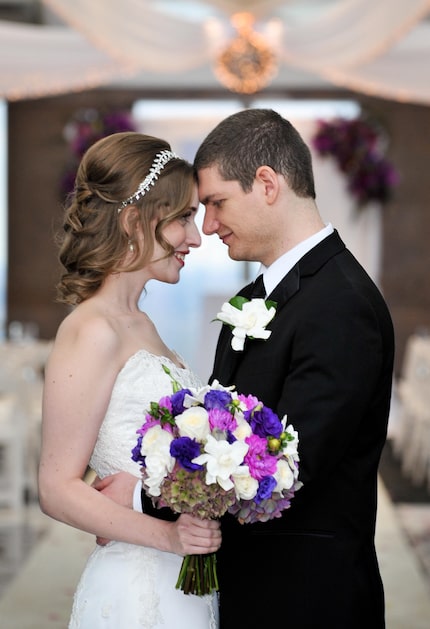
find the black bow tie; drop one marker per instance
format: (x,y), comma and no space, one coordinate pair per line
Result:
(258,290)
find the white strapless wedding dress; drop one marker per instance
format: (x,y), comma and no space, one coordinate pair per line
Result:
(125,586)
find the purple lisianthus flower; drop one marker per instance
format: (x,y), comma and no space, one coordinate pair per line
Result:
(177,401)
(217,399)
(264,422)
(136,454)
(221,419)
(184,450)
(265,489)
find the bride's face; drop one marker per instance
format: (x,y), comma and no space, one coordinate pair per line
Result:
(182,234)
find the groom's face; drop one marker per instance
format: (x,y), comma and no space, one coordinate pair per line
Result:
(237,217)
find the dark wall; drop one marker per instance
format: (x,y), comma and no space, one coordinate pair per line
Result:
(406,227)
(38,155)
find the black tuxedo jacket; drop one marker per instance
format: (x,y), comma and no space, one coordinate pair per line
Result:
(328,365)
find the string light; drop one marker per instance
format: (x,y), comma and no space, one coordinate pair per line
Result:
(247,64)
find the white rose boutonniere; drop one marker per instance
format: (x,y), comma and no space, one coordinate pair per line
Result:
(247,318)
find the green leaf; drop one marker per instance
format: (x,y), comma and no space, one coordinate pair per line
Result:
(238,301)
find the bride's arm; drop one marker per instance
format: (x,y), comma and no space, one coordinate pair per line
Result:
(79,379)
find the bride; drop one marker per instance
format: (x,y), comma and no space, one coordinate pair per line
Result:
(130,219)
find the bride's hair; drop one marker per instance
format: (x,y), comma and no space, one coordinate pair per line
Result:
(99,226)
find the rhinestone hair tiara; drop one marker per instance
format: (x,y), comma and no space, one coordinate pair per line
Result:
(160,160)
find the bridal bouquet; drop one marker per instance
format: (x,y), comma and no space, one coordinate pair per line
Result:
(211,450)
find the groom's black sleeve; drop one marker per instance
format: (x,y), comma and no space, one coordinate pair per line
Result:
(162,514)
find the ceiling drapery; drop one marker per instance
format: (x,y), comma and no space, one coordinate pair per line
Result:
(381,48)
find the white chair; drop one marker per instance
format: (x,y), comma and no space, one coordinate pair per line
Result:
(21,374)
(12,447)
(412,437)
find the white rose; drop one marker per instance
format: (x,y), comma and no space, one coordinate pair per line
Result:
(158,461)
(243,429)
(284,476)
(245,485)
(194,423)
(156,441)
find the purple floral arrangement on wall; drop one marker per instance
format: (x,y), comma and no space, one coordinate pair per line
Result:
(357,146)
(84,129)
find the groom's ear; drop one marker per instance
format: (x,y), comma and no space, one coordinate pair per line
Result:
(266,176)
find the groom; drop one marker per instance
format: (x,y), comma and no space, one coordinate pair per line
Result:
(327,364)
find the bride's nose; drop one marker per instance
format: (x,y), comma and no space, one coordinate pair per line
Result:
(194,238)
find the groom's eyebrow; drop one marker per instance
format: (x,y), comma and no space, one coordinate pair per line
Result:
(208,198)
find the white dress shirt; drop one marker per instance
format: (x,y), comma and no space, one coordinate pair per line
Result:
(273,274)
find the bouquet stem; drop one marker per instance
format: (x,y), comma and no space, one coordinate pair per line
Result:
(198,574)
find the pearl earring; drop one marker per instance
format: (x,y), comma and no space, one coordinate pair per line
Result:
(130,245)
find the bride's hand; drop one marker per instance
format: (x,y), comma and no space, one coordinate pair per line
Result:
(193,536)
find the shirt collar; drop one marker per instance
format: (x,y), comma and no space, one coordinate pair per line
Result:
(273,274)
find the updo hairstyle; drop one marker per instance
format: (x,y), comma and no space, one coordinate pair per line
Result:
(95,235)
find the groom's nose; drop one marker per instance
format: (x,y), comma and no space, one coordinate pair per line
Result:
(210,222)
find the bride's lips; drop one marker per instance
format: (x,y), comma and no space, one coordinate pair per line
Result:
(180,255)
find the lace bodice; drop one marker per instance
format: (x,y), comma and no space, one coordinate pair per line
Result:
(140,381)
(124,585)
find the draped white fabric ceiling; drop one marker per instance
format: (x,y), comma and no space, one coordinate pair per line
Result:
(379,47)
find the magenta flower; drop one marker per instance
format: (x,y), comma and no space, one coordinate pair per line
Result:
(221,419)
(259,461)
(250,401)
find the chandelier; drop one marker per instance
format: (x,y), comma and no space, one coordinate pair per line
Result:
(247,64)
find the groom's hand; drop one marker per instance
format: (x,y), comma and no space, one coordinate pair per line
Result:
(119,488)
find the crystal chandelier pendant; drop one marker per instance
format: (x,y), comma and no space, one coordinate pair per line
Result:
(248,63)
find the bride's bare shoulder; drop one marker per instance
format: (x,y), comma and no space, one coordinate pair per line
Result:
(87,327)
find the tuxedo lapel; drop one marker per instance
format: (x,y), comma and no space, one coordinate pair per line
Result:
(308,265)
(287,287)
(226,359)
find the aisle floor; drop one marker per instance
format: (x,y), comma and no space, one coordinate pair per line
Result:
(36,590)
